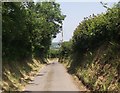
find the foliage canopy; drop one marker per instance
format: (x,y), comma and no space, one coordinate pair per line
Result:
(28,28)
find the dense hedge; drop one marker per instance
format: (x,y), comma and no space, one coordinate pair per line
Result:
(65,49)
(96,29)
(91,33)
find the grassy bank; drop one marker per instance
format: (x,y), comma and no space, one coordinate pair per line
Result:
(17,74)
(99,69)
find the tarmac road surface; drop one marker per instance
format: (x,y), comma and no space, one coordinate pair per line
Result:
(53,77)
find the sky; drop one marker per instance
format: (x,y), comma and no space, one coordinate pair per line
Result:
(75,13)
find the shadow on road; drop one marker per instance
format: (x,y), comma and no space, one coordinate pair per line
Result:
(40,75)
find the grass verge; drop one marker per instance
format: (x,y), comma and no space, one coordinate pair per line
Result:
(17,74)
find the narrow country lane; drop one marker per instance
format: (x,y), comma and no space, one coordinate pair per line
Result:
(53,77)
